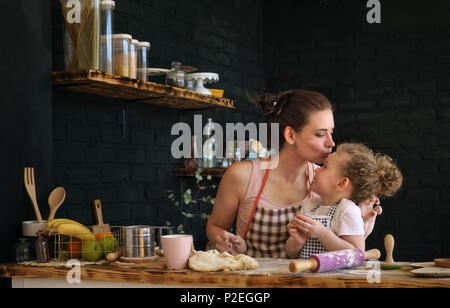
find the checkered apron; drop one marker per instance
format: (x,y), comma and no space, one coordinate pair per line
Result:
(267,230)
(312,244)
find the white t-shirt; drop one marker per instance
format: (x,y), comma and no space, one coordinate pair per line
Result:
(347,218)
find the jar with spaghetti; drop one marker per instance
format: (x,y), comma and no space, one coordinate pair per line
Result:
(142,60)
(132,59)
(121,46)
(106,50)
(82,34)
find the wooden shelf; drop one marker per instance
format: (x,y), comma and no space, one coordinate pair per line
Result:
(214,172)
(107,85)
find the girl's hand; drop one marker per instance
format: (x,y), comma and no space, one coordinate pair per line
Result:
(370,213)
(308,226)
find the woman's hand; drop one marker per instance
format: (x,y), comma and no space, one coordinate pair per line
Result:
(230,243)
(370,213)
(308,226)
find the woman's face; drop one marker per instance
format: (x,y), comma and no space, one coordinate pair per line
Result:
(315,141)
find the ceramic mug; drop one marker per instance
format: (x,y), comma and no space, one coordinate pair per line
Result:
(177,249)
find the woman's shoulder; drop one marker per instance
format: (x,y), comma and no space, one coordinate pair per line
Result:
(238,176)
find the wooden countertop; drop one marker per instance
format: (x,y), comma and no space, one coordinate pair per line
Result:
(272,273)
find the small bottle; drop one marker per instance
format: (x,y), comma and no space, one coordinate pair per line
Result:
(209,157)
(42,247)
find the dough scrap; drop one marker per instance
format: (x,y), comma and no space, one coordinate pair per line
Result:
(213,261)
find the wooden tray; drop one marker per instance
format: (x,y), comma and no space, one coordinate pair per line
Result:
(432,272)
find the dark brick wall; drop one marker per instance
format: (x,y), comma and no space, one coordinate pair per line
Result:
(390,84)
(131,175)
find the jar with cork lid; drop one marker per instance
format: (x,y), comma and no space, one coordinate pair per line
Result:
(121,47)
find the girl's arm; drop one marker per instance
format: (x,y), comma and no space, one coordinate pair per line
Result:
(331,241)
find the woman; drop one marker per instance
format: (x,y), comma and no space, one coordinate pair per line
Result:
(263,201)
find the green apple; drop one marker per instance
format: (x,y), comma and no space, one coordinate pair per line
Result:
(92,250)
(109,244)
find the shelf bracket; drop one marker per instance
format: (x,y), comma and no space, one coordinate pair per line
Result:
(124,120)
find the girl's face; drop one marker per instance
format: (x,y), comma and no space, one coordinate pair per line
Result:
(315,141)
(329,176)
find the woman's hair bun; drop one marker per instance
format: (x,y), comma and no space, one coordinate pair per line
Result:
(268,104)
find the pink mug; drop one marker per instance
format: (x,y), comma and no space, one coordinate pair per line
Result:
(177,249)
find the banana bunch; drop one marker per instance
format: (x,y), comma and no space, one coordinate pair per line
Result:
(71,228)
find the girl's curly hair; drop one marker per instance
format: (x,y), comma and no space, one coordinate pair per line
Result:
(370,173)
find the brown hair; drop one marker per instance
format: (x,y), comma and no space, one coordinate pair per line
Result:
(291,108)
(370,173)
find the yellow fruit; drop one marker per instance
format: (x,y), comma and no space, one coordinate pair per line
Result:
(51,224)
(74,230)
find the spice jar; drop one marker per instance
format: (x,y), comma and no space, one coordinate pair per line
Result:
(82,34)
(106,51)
(121,46)
(42,247)
(176,76)
(142,60)
(132,59)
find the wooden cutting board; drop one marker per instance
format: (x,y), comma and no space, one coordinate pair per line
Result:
(432,272)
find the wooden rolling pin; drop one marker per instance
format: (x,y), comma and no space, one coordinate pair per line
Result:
(334,260)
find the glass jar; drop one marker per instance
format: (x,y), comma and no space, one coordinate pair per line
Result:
(176,76)
(106,50)
(132,59)
(82,34)
(23,250)
(121,46)
(142,60)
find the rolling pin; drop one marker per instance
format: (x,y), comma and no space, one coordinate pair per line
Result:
(334,260)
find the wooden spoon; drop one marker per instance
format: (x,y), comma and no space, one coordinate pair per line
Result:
(55,200)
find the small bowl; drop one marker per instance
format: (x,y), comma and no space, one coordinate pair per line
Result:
(31,228)
(445,262)
(217,92)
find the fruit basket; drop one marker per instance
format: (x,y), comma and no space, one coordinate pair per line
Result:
(71,240)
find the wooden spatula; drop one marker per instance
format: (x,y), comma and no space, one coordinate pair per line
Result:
(101,226)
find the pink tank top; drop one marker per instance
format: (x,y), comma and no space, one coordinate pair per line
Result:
(246,205)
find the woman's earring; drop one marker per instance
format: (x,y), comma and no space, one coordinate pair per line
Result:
(292,145)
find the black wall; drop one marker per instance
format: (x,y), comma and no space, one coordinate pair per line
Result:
(390,84)
(25,115)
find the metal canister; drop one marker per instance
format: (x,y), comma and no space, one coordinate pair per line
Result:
(139,241)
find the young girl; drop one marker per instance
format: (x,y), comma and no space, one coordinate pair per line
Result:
(333,222)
